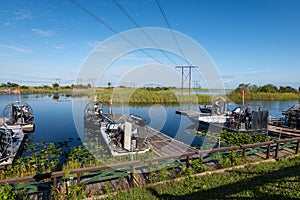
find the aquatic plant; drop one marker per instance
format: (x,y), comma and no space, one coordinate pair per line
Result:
(232,138)
(263,96)
(198,166)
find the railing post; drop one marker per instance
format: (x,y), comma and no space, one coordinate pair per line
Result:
(244,152)
(188,164)
(268,151)
(277,149)
(55,182)
(78,178)
(131,176)
(150,172)
(297,146)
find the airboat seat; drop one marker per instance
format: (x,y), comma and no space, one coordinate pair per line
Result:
(112,126)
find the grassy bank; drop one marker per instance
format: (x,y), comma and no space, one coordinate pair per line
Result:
(46,158)
(263,96)
(174,96)
(273,180)
(133,95)
(161,95)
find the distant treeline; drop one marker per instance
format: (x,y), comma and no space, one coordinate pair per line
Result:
(55,86)
(266,92)
(269,88)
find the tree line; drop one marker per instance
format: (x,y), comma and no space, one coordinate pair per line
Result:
(268,88)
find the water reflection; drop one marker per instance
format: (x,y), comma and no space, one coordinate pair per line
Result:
(55,123)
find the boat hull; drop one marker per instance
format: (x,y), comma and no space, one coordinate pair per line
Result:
(118,151)
(204,126)
(28,127)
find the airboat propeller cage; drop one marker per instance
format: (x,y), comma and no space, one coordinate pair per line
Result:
(5,142)
(18,113)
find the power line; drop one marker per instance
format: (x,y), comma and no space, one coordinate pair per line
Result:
(138,26)
(88,12)
(24,76)
(171,30)
(186,76)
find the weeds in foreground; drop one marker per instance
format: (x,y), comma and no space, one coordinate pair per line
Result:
(67,191)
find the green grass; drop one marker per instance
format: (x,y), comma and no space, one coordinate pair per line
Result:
(133,95)
(160,95)
(273,180)
(173,96)
(263,96)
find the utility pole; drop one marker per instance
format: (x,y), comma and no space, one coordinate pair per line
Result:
(57,80)
(186,75)
(196,84)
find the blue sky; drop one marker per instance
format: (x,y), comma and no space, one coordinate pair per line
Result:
(250,41)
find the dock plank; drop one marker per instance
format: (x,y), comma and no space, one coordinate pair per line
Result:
(286,132)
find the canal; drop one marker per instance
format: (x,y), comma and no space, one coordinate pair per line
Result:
(55,122)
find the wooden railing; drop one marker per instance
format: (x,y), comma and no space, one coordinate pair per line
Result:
(187,156)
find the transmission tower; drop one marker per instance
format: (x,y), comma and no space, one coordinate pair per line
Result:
(196,84)
(186,75)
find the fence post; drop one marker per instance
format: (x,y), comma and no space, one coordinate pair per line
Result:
(78,178)
(55,182)
(277,149)
(244,152)
(188,164)
(131,179)
(268,151)
(297,146)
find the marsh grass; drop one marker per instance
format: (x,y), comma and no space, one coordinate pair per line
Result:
(263,96)
(140,95)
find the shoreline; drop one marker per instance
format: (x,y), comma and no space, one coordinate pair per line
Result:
(170,96)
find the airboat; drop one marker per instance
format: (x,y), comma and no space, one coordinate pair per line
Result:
(11,140)
(240,119)
(122,134)
(290,118)
(19,114)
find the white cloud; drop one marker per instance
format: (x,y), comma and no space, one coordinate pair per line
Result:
(136,58)
(254,72)
(58,47)
(8,23)
(42,33)
(22,14)
(15,48)
(226,81)
(93,44)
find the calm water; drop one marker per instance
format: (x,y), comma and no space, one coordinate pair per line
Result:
(55,123)
(53,117)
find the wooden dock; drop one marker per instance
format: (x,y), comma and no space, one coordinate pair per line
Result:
(162,144)
(283,132)
(190,113)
